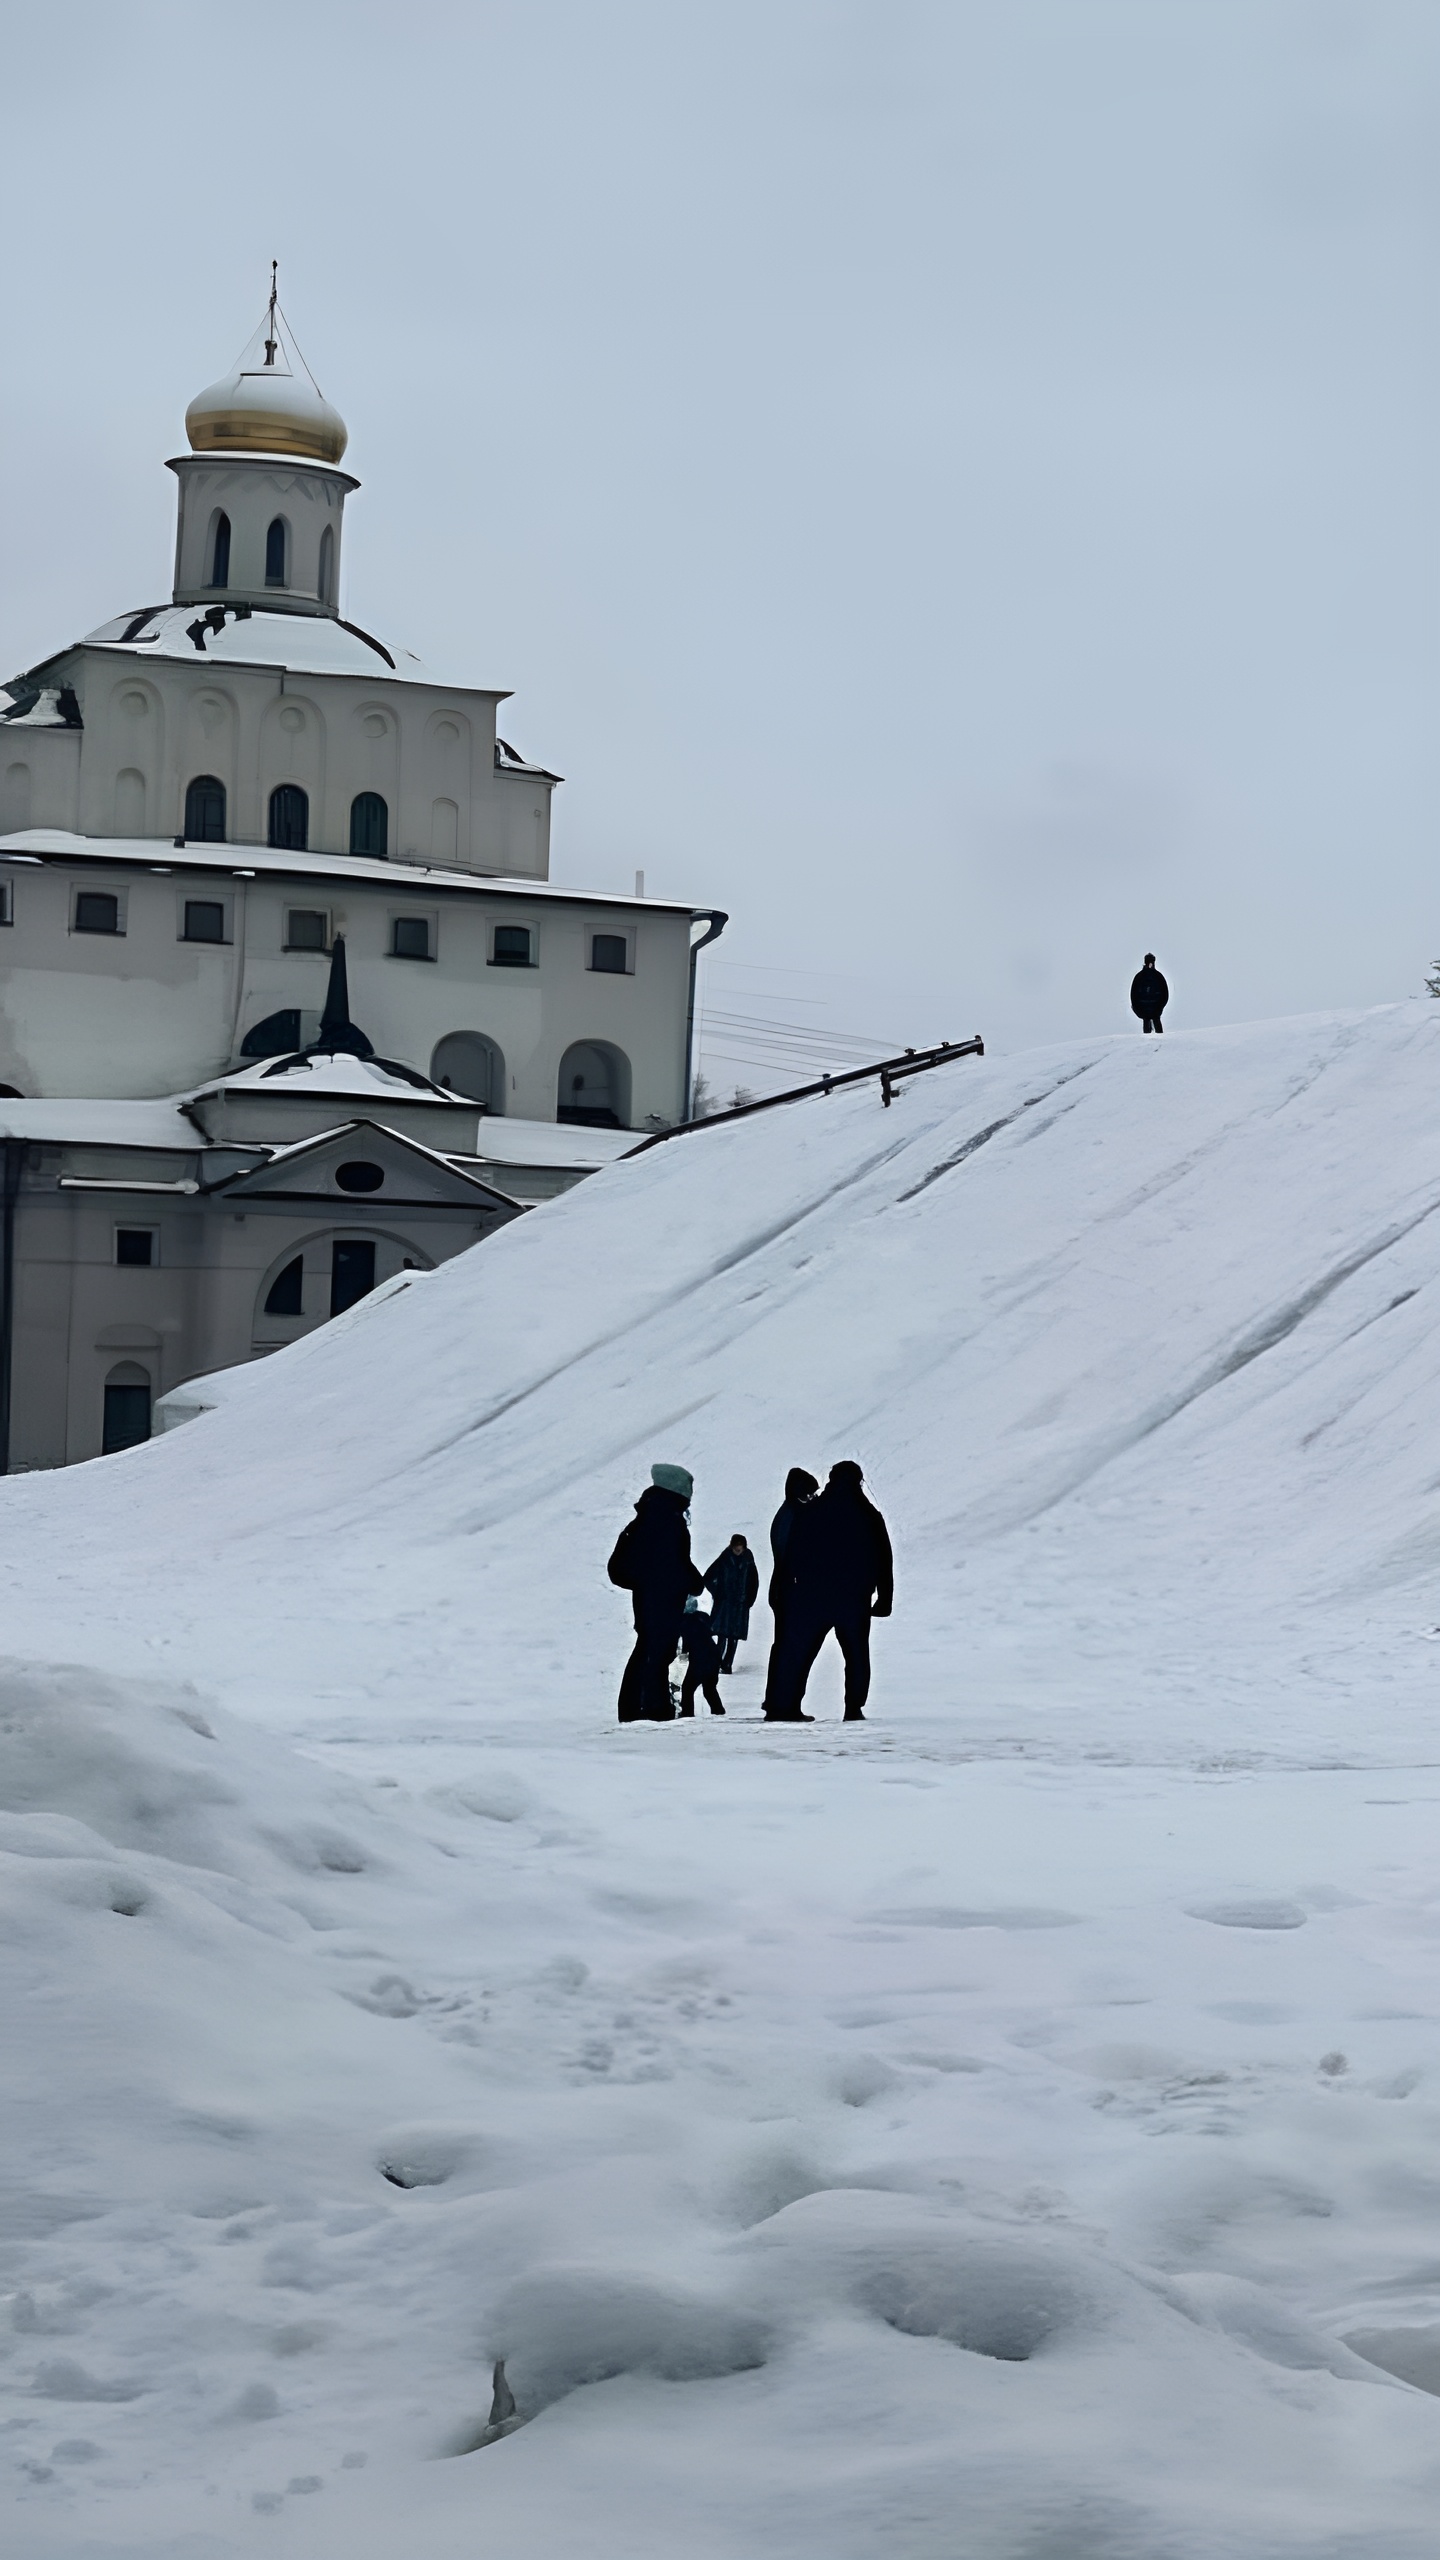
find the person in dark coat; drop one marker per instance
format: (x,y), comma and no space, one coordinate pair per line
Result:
(652,1562)
(733,1582)
(838,1573)
(1149,995)
(800,1486)
(702,1660)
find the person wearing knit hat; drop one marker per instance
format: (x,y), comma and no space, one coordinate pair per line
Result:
(652,1562)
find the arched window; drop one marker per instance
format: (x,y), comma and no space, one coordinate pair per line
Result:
(326,580)
(127,1408)
(369,825)
(275,547)
(278,1036)
(220,551)
(286,1293)
(205,810)
(289,818)
(465,1062)
(594,1090)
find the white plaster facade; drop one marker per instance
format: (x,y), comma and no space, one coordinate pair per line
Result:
(107,736)
(198,801)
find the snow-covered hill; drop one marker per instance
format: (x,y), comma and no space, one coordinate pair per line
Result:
(1004,2129)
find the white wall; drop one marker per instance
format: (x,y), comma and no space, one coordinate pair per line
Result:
(148,1013)
(307,496)
(424,748)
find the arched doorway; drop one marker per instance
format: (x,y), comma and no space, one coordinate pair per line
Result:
(465,1062)
(594,1086)
(127,1407)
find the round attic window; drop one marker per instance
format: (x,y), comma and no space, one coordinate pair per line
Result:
(359,1176)
(135,703)
(375,724)
(291,718)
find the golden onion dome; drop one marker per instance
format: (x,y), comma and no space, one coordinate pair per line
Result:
(269,402)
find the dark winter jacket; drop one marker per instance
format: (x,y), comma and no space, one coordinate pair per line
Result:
(697,1640)
(838,1556)
(799,1486)
(1149,995)
(734,1582)
(652,1556)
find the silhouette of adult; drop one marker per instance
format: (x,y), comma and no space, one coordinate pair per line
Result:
(800,1485)
(652,1562)
(734,1584)
(837,1573)
(1149,995)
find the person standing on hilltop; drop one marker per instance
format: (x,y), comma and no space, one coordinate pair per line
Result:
(652,1562)
(838,1572)
(733,1582)
(1149,995)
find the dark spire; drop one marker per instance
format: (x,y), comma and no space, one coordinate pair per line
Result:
(339,1037)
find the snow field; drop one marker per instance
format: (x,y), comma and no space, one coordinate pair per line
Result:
(1003,2130)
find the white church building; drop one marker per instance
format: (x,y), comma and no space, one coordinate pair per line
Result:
(288,1000)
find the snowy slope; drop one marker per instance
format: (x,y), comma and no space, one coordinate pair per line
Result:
(1007,2129)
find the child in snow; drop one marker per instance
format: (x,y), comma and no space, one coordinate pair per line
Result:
(702,1660)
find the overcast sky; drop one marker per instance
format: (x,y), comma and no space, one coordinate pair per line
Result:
(953,485)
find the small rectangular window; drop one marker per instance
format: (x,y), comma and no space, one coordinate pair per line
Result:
(136,1246)
(610,953)
(511,947)
(410,938)
(96,911)
(7,902)
(306,929)
(204,920)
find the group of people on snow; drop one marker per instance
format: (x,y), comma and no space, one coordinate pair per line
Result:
(832,1572)
(832,1569)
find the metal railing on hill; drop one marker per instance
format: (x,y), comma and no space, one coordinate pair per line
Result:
(891,1071)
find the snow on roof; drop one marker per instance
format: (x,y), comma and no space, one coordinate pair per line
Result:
(74,1121)
(369,1079)
(43,710)
(550,1143)
(460,1166)
(252,861)
(308,643)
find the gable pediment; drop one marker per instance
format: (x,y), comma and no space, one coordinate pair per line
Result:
(362,1169)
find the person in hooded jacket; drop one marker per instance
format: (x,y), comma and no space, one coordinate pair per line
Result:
(702,1660)
(1149,995)
(733,1582)
(838,1572)
(800,1486)
(652,1562)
